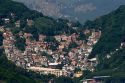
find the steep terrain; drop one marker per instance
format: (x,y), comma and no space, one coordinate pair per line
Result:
(110,48)
(81,10)
(9,73)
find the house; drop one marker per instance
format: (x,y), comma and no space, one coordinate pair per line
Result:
(21,34)
(69,39)
(96,34)
(74,62)
(12,15)
(69,24)
(75,28)
(27,35)
(7,20)
(87,32)
(58,38)
(93,61)
(29,22)
(64,37)
(61,46)
(89,49)
(122,45)
(17,23)
(78,74)
(41,37)
(74,37)
(53,65)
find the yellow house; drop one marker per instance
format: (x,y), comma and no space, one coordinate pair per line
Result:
(61,46)
(78,74)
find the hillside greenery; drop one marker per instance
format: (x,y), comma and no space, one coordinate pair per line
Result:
(112,26)
(42,24)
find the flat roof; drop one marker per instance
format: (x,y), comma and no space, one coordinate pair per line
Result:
(53,64)
(42,69)
(101,77)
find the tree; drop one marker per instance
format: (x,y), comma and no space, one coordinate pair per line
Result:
(77,70)
(73,45)
(20,43)
(63,79)
(45,26)
(1,43)
(47,55)
(34,31)
(50,39)
(82,36)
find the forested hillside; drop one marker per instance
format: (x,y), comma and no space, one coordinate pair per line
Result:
(41,24)
(110,52)
(113,28)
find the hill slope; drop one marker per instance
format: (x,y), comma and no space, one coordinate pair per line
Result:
(9,73)
(112,26)
(73,9)
(42,24)
(109,51)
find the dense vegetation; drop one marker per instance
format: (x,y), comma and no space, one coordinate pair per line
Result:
(63,80)
(42,24)
(7,7)
(112,27)
(113,33)
(20,43)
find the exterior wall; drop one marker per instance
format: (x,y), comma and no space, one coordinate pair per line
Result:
(41,70)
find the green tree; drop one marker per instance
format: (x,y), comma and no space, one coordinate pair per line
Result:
(63,80)
(20,43)
(73,45)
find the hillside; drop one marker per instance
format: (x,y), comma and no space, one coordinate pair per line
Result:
(9,72)
(112,26)
(36,40)
(110,47)
(80,10)
(42,24)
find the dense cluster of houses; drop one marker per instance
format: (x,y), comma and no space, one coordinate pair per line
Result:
(38,53)
(32,56)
